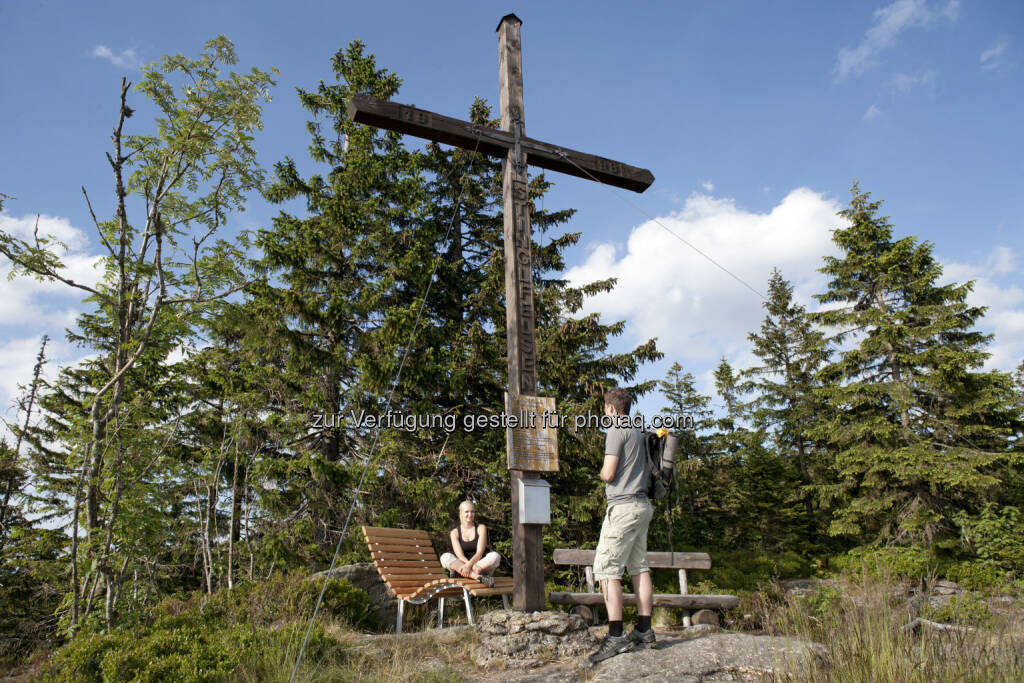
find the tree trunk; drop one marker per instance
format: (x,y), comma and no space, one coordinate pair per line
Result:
(210,532)
(236,526)
(15,457)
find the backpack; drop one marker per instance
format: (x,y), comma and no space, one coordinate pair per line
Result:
(662,447)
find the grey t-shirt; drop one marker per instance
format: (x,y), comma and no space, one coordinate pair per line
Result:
(631,473)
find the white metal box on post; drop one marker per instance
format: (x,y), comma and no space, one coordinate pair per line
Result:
(534,501)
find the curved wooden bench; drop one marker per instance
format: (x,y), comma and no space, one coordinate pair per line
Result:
(680,561)
(408,565)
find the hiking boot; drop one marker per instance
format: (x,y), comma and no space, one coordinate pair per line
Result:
(642,639)
(487,580)
(611,646)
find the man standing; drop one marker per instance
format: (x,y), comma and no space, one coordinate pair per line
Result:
(623,543)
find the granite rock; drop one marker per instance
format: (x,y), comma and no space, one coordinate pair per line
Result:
(365,577)
(522,640)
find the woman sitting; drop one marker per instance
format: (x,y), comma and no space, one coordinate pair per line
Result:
(469,543)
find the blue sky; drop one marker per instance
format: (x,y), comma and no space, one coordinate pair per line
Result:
(754,117)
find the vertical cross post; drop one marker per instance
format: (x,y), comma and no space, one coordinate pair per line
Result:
(511,143)
(527,539)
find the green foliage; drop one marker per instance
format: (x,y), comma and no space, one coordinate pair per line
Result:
(200,639)
(342,601)
(31,567)
(173,648)
(996,534)
(969,608)
(824,602)
(888,562)
(745,570)
(976,574)
(188,648)
(282,598)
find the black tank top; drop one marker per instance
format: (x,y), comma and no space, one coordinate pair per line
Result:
(468,547)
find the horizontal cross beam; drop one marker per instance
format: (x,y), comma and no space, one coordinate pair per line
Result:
(439,128)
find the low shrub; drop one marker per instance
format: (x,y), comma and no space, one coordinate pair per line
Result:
(969,609)
(976,575)
(744,570)
(196,638)
(996,535)
(888,562)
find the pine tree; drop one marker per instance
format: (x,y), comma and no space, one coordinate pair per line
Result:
(917,430)
(698,508)
(791,350)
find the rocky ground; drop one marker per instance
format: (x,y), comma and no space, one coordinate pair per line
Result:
(553,646)
(701,654)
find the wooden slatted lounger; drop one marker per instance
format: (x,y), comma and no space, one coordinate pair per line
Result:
(407,563)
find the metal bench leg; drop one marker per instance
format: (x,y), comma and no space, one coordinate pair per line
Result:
(401,611)
(469,606)
(504,601)
(440,612)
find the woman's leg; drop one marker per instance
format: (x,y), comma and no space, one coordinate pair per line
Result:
(454,564)
(489,562)
(450,562)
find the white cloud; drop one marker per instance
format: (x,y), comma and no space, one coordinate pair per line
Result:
(872,113)
(1005,316)
(889,23)
(27,303)
(55,226)
(1002,261)
(708,186)
(124,59)
(30,308)
(996,58)
(17,362)
(698,312)
(903,84)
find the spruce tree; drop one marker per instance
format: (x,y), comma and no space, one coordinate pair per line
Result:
(791,350)
(698,514)
(917,430)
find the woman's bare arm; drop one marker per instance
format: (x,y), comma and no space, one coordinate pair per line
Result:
(481,543)
(456,546)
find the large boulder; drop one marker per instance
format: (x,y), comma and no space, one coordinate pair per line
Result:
(716,657)
(522,640)
(708,658)
(365,577)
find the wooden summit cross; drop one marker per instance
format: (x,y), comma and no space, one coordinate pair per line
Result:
(510,142)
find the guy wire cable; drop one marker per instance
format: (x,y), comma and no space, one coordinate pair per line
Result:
(664,227)
(376,436)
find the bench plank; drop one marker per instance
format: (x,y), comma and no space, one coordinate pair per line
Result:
(380,531)
(716,602)
(680,560)
(408,562)
(397,571)
(410,549)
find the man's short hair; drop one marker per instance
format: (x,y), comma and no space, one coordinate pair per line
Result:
(620,399)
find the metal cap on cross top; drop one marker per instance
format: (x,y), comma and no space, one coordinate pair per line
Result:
(518,151)
(508,17)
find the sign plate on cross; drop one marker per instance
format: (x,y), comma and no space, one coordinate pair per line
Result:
(533,444)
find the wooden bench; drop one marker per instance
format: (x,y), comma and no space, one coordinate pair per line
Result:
(680,561)
(407,563)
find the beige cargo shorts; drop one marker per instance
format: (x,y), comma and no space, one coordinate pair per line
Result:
(623,543)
